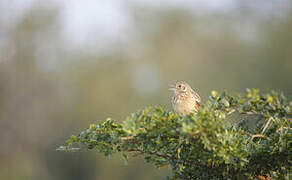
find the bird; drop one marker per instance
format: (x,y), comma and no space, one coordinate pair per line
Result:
(185,100)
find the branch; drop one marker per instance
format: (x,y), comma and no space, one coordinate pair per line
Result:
(166,156)
(267,124)
(258,135)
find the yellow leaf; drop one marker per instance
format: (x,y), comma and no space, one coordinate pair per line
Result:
(270,99)
(214,93)
(178,153)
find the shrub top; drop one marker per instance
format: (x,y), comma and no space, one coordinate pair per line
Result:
(243,136)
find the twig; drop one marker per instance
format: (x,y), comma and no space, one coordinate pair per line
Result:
(251,113)
(166,156)
(195,133)
(284,128)
(127,138)
(258,135)
(266,125)
(230,112)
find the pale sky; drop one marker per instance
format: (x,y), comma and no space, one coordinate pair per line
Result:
(109,20)
(100,23)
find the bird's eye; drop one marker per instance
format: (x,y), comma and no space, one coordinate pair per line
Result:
(179,86)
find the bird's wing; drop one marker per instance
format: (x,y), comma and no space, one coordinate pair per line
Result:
(197,97)
(197,107)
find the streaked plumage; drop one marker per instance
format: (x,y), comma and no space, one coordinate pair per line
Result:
(185,99)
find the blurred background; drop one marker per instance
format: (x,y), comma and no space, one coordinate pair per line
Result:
(67,64)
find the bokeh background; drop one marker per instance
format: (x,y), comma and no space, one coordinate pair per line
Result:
(67,64)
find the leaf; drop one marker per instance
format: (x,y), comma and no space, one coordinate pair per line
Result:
(125,158)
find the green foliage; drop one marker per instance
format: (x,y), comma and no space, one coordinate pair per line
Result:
(205,145)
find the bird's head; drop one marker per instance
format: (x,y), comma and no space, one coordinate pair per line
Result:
(179,87)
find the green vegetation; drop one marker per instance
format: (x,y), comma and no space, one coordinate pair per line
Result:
(231,137)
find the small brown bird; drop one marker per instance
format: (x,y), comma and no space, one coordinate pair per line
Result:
(185,99)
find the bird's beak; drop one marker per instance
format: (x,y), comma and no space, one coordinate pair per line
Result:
(171,87)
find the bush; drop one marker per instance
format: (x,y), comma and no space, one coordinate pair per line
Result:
(231,137)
